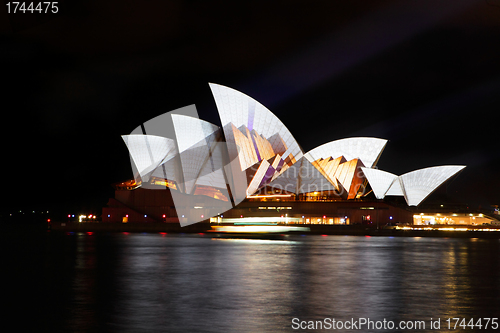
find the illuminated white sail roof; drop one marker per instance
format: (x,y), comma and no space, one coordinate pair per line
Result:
(211,173)
(241,110)
(396,188)
(419,184)
(190,131)
(169,168)
(368,150)
(379,180)
(415,186)
(195,139)
(149,151)
(302,177)
(311,180)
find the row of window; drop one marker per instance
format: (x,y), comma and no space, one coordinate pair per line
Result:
(277,208)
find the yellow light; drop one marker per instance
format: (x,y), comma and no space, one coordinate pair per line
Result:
(257,229)
(453,229)
(270,196)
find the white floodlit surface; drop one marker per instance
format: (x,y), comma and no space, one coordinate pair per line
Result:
(302,177)
(367,150)
(195,139)
(212,171)
(395,188)
(311,180)
(379,180)
(242,110)
(149,151)
(190,131)
(288,179)
(169,168)
(257,178)
(419,184)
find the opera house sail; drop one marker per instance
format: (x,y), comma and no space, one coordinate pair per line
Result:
(254,135)
(209,170)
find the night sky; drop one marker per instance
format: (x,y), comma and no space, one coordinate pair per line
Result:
(423,74)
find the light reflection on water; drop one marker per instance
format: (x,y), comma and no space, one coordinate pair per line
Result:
(193,283)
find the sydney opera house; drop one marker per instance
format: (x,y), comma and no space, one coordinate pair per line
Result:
(253,170)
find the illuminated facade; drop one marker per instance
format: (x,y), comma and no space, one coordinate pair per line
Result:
(255,157)
(415,186)
(443,219)
(264,147)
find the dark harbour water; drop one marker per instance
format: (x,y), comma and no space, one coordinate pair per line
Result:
(119,282)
